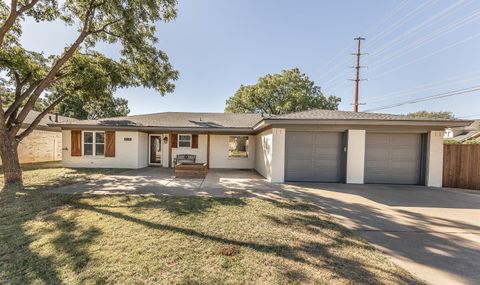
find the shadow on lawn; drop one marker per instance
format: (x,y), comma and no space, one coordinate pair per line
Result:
(176,205)
(22,264)
(311,253)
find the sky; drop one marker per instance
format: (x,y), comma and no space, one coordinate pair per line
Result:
(415,49)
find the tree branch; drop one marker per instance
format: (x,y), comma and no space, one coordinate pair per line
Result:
(12,17)
(27,6)
(37,120)
(47,80)
(104,27)
(17,103)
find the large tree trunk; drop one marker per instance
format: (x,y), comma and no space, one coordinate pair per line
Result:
(11,165)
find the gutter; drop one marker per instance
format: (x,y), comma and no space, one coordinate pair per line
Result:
(158,129)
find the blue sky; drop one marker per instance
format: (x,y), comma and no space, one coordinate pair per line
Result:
(416,49)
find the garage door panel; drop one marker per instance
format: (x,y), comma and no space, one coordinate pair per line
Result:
(299,163)
(393,158)
(314,156)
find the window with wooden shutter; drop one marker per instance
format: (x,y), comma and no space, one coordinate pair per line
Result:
(110,144)
(76,143)
(194,141)
(173,140)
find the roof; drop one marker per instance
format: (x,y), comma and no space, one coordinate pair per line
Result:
(469,132)
(48,119)
(245,122)
(347,115)
(466,136)
(179,120)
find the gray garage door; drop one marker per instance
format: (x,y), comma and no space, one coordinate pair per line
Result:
(314,156)
(393,158)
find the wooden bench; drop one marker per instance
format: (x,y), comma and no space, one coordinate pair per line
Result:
(188,158)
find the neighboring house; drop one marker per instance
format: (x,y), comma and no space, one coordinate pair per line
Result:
(465,133)
(317,145)
(45,142)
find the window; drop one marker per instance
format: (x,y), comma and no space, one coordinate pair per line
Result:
(238,146)
(184,140)
(100,143)
(94,143)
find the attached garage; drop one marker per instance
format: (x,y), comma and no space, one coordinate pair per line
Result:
(395,158)
(315,156)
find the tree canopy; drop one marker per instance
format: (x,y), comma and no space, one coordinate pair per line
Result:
(433,115)
(284,92)
(80,72)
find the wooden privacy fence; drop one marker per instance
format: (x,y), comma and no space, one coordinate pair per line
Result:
(461,166)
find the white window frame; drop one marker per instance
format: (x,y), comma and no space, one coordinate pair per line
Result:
(190,141)
(247,147)
(93,143)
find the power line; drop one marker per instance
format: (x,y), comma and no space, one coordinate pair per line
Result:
(429,86)
(425,24)
(429,38)
(402,20)
(427,55)
(428,98)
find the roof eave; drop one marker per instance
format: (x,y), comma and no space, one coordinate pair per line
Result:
(156,129)
(433,123)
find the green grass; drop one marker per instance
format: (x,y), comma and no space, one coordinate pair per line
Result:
(53,239)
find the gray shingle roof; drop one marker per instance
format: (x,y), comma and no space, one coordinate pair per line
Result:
(347,115)
(173,120)
(48,119)
(180,120)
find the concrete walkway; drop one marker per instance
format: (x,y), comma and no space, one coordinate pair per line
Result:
(161,181)
(433,233)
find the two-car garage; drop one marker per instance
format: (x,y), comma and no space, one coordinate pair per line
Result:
(393,158)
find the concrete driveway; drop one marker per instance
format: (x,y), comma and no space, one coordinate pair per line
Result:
(433,233)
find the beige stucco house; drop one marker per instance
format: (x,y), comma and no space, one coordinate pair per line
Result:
(316,145)
(45,142)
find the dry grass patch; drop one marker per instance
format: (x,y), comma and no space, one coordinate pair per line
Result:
(67,239)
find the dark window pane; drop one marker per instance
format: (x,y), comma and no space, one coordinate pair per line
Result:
(184,144)
(99,137)
(99,149)
(88,137)
(88,149)
(184,138)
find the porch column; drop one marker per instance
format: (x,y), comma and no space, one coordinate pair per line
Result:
(434,174)
(208,150)
(356,157)
(278,155)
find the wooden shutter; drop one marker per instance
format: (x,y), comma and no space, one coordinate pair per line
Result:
(173,141)
(194,141)
(110,144)
(76,143)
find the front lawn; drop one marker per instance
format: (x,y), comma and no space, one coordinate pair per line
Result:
(53,239)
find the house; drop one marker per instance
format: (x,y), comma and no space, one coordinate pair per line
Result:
(45,142)
(316,145)
(464,133)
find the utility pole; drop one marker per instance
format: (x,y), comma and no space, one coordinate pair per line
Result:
(357,67)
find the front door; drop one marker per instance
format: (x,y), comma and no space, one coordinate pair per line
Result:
(155,150)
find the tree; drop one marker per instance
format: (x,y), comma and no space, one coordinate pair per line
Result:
(80,70)
(286,92)
(92,107)
(433,115)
